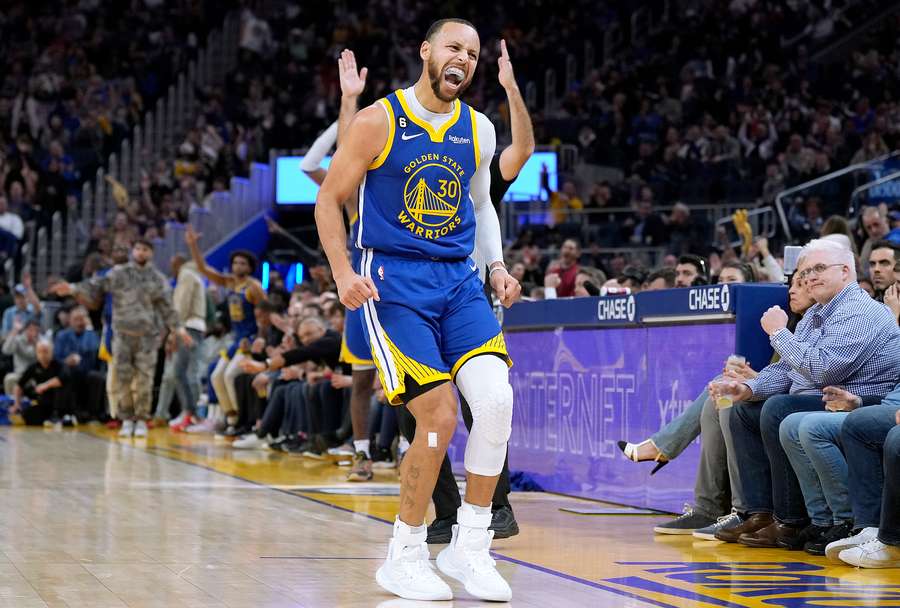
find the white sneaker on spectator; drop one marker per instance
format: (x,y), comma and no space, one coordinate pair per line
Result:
(342,450)
(467,558)
(127,429)
(833,550)
(178,419)
(207,425)
(140,429)
(407,571)
(251,442)
(873,554)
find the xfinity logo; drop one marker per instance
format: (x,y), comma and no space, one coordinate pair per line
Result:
(460,140)
(705,298)
(616,309)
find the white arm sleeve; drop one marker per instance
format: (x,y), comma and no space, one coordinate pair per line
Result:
(488,239)
(319,149)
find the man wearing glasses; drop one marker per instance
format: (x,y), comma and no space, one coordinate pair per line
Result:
(846,340)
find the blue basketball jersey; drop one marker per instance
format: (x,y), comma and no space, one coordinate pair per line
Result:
(240,312)
(414,200)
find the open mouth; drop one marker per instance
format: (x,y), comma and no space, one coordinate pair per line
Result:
(454,77)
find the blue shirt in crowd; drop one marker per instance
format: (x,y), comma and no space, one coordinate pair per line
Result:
(86,344)
(851,342)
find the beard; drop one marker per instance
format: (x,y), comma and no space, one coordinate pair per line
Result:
(434,77)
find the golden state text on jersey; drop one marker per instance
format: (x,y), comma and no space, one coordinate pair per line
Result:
(414,200)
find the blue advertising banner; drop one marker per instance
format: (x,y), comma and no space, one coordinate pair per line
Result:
(589,372)
(578,391)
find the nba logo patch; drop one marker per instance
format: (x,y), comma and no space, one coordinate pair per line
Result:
(381,272)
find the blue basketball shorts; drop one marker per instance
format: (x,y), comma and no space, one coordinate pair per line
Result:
(355,344)
(431,318)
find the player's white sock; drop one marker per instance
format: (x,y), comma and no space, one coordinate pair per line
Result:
(362,445)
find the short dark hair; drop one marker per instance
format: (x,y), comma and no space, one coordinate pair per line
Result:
(666,274)
(142,241)
(634,273)
(243,253)
(885,244)
(698,262)
(440,23)
(745,269)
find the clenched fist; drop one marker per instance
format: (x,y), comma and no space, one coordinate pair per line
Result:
(773,320)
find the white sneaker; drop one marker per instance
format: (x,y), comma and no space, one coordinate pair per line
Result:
(407,572)
(250,442)
(140,429)
(467,559)
(833,550)
(873,554)
(204,426)
(342,450)
(178,420)
(127,429)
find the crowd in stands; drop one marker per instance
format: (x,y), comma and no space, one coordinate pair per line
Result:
(75,78)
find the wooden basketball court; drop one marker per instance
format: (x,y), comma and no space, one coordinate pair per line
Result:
(185,521)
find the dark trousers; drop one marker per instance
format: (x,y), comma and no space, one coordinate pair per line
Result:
(53,403)
(446,493)
(383,423)
(250,404)
(326,409)
(88,394)
(889,530)
(767,477)
(285,411)
(863,436)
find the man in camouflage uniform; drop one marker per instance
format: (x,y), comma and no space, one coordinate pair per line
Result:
(140,297)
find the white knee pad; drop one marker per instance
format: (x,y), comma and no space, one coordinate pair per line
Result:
(484,382)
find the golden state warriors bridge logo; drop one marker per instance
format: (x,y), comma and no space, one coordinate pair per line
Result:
(432,195)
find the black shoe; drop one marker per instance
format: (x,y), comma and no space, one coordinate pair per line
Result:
(810,533)
(503,522)
(285,444)
(298,447)
(441,530)
(316,449)
(236,431)
(839,532)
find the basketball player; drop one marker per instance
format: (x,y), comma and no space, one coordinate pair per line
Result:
(354,347)
(421,159)
(505,167)
(244,293)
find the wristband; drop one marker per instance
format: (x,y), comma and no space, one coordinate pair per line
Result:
(495,268)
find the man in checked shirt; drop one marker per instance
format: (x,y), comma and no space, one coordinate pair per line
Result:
(845,340)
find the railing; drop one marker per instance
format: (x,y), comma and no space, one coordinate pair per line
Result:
(227,212)
(859,190)
(779,199)
(515,216)
(151,139)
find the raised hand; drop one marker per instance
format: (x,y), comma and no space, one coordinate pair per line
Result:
(352,82)
(190,236)
(892,299)
(506,76)
(773,320)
